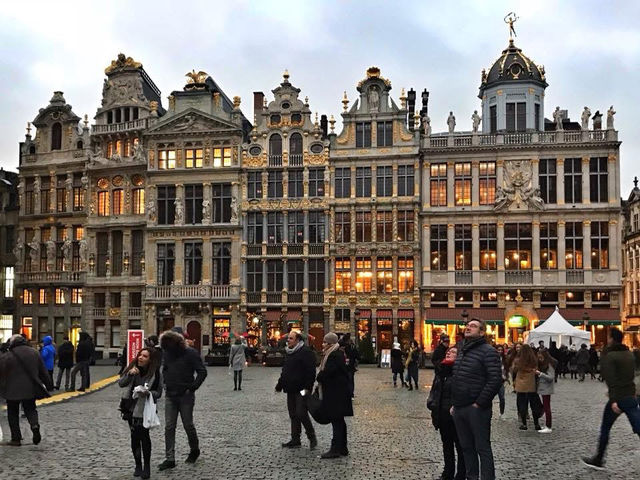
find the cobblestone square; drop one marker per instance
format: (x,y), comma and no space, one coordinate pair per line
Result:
(390,436)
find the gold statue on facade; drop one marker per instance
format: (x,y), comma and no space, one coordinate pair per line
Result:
(199,77)
(122,62)
(510,19)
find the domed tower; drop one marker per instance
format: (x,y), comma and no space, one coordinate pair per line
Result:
(512,93)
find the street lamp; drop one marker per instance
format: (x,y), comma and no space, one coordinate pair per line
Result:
(585,320)
(465,316)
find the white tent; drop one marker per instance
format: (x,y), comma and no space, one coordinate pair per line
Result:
(557,329)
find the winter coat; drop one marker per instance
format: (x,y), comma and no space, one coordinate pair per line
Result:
(582,357)
(438,355)
(397,366)
(15,383)
(180,364)
(525,380)
(237,357)
(84,350)
(546,381)
(65,354)
(336,394)
(617,367)
(352,357)
(593,357)
(477,374)
(298,371)
(48,353)
(440,395)
(572,360)
(132,381)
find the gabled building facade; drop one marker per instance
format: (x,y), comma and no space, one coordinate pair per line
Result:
(631,266)
(8,231)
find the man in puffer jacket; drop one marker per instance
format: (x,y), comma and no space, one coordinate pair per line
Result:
(477,376)
(48,355)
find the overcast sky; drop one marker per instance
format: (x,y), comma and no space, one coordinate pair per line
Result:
(590,50)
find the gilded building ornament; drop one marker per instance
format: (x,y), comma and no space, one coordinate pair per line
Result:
(195,79)
(122,62)
(347,135)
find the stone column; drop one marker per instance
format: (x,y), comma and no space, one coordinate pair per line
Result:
(69,187)
(451,201)
(179,262)
(52,191)
(374,182)
(451,249)
(499,173)
(561,245)
(560,180)
(613,178)
(426,186)
(475,246)
(285,226)
(614,247)
(394,179)
(353,181)
(207,254)
(535,172)
(207,197)
(475,183)
(36,196)
(586,244)
(585,181)
(500,246)
(535,251)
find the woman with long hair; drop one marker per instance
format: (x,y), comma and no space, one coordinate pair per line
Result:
(333,382)
(142,372)
(524,367)
(439,403)
(546,379)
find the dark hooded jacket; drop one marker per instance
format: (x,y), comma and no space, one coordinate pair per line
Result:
(65,354)
(180,363)
(617,367)
(20,368)
(84,351)
(477,374)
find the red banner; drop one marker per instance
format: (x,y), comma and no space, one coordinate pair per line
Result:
(135,342)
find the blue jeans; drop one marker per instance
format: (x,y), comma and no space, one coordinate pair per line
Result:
(629,406)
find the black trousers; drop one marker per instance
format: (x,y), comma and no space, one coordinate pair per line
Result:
(299,416)
(339,440)
(523,401)
(451,446)
(237,378)
(140,442)
(13,416)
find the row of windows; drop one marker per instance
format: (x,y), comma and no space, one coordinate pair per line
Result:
(270,227)
(516,117)
(117,262)
(220,263)
(361,269)
(518,246)
(384,181)
(275,187)
(56,189)
(383,226)
(489,297)
(112,202)
(193,158)
(270,275)
(193,208)
(31,264)
(45,295)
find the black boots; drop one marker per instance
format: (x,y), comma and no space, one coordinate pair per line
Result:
(36,434)
(293,444)
(193,456)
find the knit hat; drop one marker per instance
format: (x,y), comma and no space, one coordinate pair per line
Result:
(330,338)
(396,345)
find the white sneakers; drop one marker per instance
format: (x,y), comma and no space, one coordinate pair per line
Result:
(545,430)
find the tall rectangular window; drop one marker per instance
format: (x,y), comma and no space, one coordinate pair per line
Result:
(343,182)
(45,195)
(76,296)
(296,189)
(138,201)
(275,228)
(316,275)
(573,245)
(193,204)
(342,227)
(364,275)
(274,185)
(9,279)
(116,252)
(493,119)
(165,259)
(463,243)
(59,296)
(599,245)
(384,184)
(598,180)
(384,274)
(220,203)
(61,194)
(27,296)
(103,203)
(102,250)
(254,275)
(275,280)
(316,227)
(462,183)
(547,180)
(29,197)
(405,274)
(384,226)
(384,137)
(363,181)
(488,246)
(363,134)
(572,180)
(516,116)
(117,205)
(439,247)
(254,185)
(548,246)
(537,117)
(166,159)
(192,263)
(222,157)
(405,225)
(316,182)
(295,275)
(438,185)
(254,228)
(166,204)
(78,234)
(295,224)
(406,180)
(517,246)
(363,226)
(343,275)
(221,264)
(487,185)
(193,158)
(137,251)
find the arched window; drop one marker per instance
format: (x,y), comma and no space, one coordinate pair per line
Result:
(275,150)
(56,136)
(295,149)
(32,149)
(79,145)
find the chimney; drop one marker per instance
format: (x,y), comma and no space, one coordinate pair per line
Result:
(258,100)
(425,103)
(324,126)
(411,103)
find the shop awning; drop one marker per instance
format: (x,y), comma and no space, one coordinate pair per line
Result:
(294,316)
(453,316)
(406,314)
(597,316)
(384,314)
(364,314)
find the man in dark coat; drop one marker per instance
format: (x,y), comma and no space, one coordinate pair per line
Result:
(582,359)
(23,378)
(84,353)
(298,373)
(617,367)
(477,376)
(65,362)
(180,364)
(439,353)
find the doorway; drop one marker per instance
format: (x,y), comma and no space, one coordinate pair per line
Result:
(194,330)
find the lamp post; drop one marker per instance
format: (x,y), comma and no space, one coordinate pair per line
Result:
(585,320)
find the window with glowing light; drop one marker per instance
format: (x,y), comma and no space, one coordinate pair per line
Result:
(439,247)
(599,245)
(438,185)
(488,246)
(487,183)
(463,247)
(573,245)
(548,246)
(384,273)
(517,246)
(343,275)
(364,275)
(462,183)
(405,274)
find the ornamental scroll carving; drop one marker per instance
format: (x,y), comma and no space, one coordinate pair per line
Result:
(517,190)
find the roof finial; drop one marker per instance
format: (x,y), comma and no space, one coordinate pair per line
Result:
(345,101)
(86,120)
(29,129)
(510,19)
(635,182)
(285,75)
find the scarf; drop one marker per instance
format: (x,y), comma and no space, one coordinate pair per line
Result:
(328,350)
(291,351)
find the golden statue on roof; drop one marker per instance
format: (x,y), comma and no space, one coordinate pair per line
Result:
(198,77)
(510,19)
(122,62)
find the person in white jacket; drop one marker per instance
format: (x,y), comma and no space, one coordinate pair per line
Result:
(545,380)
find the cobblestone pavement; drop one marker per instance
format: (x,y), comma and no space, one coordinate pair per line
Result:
(390,437)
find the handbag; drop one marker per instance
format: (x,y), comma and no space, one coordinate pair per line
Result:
(127,405)
(316,408)
(41,390)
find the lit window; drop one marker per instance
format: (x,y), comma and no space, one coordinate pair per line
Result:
(60,296)
(193,158)
(487,183)
(384,272)
(76,296)
(138,201)
(9,277)
(343,275)
(364,275)
(166,159)
(405,274)
(103,204)
(438,185)
(26,327)
(27,297)
(221,157)
(42,296)
(118,202)
(462,185)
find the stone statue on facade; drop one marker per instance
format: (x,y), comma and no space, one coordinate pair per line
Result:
(151,210)
(34,252)
(116,157)
(179,211)
(67,250)
(557,117)
(234,210)
(426,123)
(51,250)
(451,122)
(374,99)
(476,119)
(36,184)
(85,181)
(187,122)
(96,157)
(138,153)
(18,250)
(517,187)
(610,113)
(83,251)
(586,115)
(503,198)
(206,211)
(68,182)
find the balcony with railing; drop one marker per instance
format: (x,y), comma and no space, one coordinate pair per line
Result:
(99,312)
(575,277)
(316,249)
(190,292)
(139,124)
(275,160)
(274,249)
(316,297)
(295,249)
(254,297)
(464,277)
(522,277)
(274,297)
(58,277)
(135,312)
(254,250)
(295,160)
(294,297)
